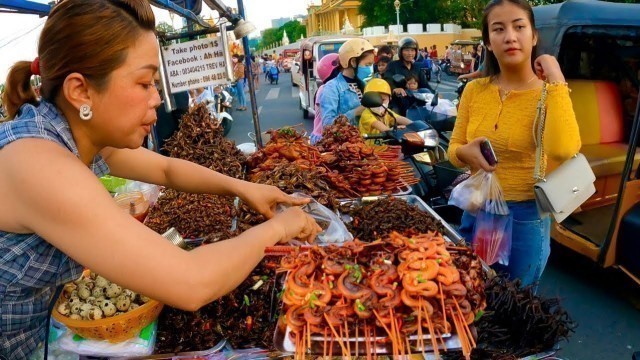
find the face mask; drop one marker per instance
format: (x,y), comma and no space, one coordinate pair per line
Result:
(381,110)
(364,72)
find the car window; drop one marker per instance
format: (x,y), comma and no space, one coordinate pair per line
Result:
(328,48)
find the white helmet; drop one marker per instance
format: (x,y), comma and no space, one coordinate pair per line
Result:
(353,48)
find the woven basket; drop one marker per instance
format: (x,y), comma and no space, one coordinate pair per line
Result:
(113,329)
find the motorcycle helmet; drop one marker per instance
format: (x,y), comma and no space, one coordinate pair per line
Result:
(327,64)
(353,48)
(407,43)
(378,85)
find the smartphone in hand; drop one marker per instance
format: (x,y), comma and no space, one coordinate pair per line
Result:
(487,152)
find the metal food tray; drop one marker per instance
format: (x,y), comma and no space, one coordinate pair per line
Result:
(401,192)
(182,355)
(449,232)
(283,342)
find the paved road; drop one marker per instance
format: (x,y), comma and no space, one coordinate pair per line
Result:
(604,303)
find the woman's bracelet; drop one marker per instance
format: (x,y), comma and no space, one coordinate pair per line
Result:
(559,84)
(555,83)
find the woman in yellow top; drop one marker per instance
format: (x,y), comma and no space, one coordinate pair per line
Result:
(502,107)
(375,121)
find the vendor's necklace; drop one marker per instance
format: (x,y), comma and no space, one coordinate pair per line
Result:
(506,93)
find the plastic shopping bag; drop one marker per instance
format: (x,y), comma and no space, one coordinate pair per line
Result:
(334,230)
(492,233)
(469,195)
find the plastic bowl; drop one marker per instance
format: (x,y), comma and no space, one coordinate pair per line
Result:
(113,329)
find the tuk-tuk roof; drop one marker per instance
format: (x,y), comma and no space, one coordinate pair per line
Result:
(307,44)
(587,12)
(465,42)
(552,21)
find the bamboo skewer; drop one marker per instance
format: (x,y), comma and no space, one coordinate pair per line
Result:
(466,326)
(344,349)
(346,332)
(393,342)
(324,347)
(357,353)
(434,341)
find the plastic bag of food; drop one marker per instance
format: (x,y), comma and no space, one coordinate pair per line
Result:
(492,232)
(150,191)
(334,230)
(141,345)
(470,194)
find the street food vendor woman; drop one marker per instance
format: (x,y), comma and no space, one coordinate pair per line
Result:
(98,61)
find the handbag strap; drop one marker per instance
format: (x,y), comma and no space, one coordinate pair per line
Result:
(538,134)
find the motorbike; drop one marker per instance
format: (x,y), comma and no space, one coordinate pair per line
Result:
(446,67)
(414,105)
(426,150)
(221,109)
(274,74)
(417,140)
(436,70)
(462,84)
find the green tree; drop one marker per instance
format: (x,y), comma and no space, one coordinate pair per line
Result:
(467,13)
(164,27)
(271,36)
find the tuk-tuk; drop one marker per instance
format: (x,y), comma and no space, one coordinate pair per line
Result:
(461,51)
(311,51)
(597,44)
(288,56)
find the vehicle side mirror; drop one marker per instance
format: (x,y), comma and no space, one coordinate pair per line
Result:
(371,100)
(434,101)
(399,81)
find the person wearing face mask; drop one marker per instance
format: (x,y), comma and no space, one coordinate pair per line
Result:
(377,120)
(327,70)
(408,52)
(342,95)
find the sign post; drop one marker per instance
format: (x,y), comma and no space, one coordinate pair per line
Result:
(195,64)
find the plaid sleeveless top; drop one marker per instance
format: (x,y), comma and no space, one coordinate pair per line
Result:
(30,267)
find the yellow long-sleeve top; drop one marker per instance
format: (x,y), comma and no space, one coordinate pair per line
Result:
(508,125)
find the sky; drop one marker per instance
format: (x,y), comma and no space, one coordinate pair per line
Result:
(19,33)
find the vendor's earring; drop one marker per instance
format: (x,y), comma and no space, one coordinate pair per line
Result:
(85,112)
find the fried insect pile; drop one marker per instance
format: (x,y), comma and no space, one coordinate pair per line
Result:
(379,218)
(285,144)
(299,177)
(201,141)
(243,317)
(517,323)
(340,132)
(193,215)
(290,164)
(369,170)
(394,288)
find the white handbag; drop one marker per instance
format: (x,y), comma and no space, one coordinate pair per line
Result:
(567,187)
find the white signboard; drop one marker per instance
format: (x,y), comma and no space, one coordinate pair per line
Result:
(195,64)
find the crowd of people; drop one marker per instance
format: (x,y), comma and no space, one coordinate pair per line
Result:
(94,112)
(499,106)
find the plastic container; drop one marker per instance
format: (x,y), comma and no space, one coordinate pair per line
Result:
(134,203)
